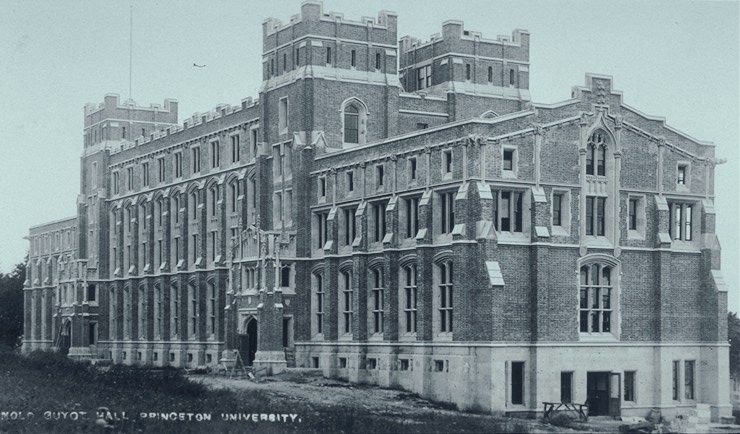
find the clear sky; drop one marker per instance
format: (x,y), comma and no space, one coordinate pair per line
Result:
(676,59)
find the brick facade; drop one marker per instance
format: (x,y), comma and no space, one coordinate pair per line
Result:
(189,235)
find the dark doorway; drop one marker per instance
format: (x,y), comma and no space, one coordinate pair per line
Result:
(248,342)
(287,322)
(598,393)
(66,337)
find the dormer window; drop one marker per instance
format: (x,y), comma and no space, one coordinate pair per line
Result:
(596,154)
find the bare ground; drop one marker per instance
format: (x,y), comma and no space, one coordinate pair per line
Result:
(308,386)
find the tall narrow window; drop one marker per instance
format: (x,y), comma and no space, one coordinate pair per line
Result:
(145,174)
(490,74)
(195,247)
(412,168)
(351,124)
(215,154)
(445,297)
(162,173)
(410,297)
(213,193)
(680,221)
(517,383)
(196,159)
(283,116)
(447,212)
(178,165)
(629,386)
(676,380)
(600,216)
(512,77)
(349,226)
(633,214)
(174,311)
(194,205)
(447,161)
(379,175)
(596,154)
(557,211)
(377,61)
(412,216)
(214,245)
(234,196)
(347,308)
(353,60)
(596,299)
(328,55)
(192,311)
(688,375)
(297,59)
(285,61)
(235,150)
(211,309)
(322,186)
(319,303)
(321,229)
(130,177)
(589,215)
(378,293)
(379,221)
(467,72)
(176,208)
(687,223)
(350,181)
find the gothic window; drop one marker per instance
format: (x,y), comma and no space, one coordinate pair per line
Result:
(319,303)
(351,124)
(346,301)
(410,292)
(596,298)
(596,154)
(354,116)
(444,295)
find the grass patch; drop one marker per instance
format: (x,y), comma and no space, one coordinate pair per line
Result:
(47,382)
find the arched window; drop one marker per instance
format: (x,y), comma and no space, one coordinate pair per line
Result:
(346,301)
(234,189)
(378,295)
(194,205)
(285,276)
(596,154)
(213,195)
(445,297)
(354,119)
(410,292)
(596,299)
(351,124)
(319,303)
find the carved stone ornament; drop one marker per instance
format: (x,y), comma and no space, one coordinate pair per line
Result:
(601,92)
(427,149)
(618,121)
(584,118)
(538,129)
(394,158)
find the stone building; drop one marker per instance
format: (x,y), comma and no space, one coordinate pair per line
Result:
(400,214)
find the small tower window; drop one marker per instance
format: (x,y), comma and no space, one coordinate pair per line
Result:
(467,72)
(354,58)
(351,124)
(490,74)
(511,77)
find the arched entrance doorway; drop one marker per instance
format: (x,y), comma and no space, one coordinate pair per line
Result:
(248,341)
(65,338)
